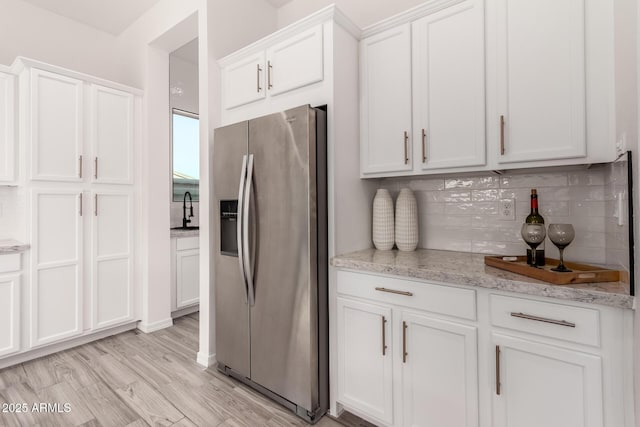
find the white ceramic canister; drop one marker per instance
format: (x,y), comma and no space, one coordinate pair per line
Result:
(406,229)
(383,227)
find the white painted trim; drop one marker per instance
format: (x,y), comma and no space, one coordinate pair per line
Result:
(21,63)
(408,16)
(55,348)
(147,328)
(325,14)
(206,361)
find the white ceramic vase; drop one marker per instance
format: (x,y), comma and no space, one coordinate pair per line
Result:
(383,228)
(406,229)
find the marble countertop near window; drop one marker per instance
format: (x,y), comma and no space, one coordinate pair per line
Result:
(462,268)
(10,246)
(177,232)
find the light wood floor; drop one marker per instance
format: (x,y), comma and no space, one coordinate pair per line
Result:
(136,379)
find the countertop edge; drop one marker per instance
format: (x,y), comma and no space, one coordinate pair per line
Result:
(185,233)
(535,289)
(13,247)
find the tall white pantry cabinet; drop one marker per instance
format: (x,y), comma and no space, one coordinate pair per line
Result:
(77,136)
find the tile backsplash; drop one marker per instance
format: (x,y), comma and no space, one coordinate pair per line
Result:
(462,213)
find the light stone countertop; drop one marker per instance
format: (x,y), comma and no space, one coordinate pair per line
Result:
(463,268)
(10,246)
(184,233)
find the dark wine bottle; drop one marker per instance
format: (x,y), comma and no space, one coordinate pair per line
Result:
(535,218)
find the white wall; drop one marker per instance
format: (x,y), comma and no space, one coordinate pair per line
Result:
(27,30)
(362,13)
(183,75)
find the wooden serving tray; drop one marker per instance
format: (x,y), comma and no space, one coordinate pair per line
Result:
(582,273)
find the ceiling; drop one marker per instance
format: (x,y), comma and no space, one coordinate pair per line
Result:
(112,16)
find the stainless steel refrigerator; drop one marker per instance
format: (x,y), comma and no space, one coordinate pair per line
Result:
(270,256)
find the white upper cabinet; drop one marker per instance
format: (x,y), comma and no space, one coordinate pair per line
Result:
(541,80)
(76,128)
(7,126)
(295,62)
(112,132)
(244,81)
(56,125)
(385,107)
(279,67)
(448,87)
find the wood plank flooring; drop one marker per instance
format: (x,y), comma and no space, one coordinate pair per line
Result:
(135,379)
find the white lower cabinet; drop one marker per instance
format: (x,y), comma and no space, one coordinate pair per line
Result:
(60,259)
(546,385)
(406,356)
(56,266)
(381,343)
(365,359)
(186,272)
(112,269)
(439,372)
(10,299)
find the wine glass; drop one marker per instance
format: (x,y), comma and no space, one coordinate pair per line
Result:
(533,235)
(561,235)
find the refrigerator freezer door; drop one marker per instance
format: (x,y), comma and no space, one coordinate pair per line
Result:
(232,310)
(284,337)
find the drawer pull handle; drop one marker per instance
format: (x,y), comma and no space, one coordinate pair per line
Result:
(393,291)
(498,370)
(404,342)
(544,319)
(384,336)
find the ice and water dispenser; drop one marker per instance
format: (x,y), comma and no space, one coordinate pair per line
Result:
(229,227)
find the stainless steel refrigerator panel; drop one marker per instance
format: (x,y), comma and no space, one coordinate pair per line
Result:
(284,323)
(231,309)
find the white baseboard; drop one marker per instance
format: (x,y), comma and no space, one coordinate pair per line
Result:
(185,311)
(206,361)
(65,345)
(147,328)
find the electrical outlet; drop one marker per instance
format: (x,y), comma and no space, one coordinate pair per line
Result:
(507,210)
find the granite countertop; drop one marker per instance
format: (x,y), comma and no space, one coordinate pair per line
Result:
(462,268)
(177,232)
(10,246)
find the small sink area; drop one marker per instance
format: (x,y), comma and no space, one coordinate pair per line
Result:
(195,227)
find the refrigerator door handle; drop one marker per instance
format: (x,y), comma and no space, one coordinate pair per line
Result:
(245,234)
(243,177)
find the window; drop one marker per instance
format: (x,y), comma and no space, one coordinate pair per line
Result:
(186,160)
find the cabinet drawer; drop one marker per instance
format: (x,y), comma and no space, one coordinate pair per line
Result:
(184,243)
(447,300)
(560,321)
(10,263)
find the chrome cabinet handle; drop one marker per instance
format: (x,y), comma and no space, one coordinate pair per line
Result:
(243,176)
(269,71)
(95,205)
(245,233)
(502,135)
(384,336)
(406,147)
(393,291)
(404,342)
(258,80)
(424,146)
(80,204)
(80,166)
(543,319)
(498,370)
(95,168)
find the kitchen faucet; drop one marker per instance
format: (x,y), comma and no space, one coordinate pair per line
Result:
(186,221)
